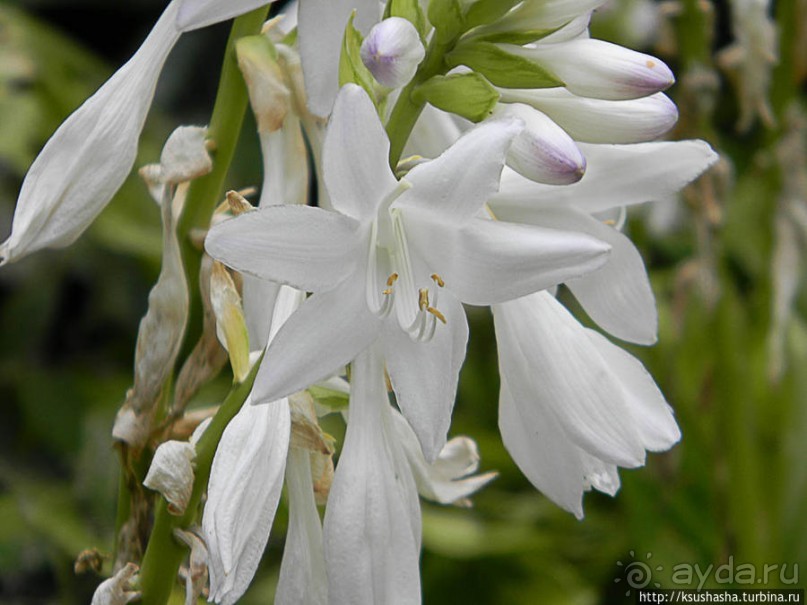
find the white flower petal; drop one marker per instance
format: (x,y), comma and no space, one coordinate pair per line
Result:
(539,446)
(246,480)
(322,27)
(171,473)
(549,362)
(356,156)
(599,121)
(89,156)
(617,175)
(648,409)
(372,521)
(302,571)
(324,335)
(424,375)
(492,261)
(194,14)
(598,69)
(617,295)
(184,156)
(434,132)
(308,248)
(455,185)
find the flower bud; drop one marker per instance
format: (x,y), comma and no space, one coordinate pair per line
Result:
(392,51)
(541,16)
(543,152)
(171,474)
(601,70)
(599,121)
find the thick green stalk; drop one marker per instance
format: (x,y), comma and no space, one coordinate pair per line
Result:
(225,128)
(406,111)
(164,554)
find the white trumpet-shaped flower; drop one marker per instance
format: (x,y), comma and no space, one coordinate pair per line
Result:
(393,261)
(372,521)
(573,406)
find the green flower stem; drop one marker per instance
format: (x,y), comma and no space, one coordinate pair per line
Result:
(164,554)
(406,111)
(207,192)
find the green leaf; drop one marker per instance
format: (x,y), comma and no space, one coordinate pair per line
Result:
(351,67)
(518,38)
(469,95)
(502,68)
(446,17)
(331,399)
(484,12)
(409,10)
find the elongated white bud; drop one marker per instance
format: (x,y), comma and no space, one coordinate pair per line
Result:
(541,16)
(392,51)
(599,121)
(543,152)
(601,70)
(171,474)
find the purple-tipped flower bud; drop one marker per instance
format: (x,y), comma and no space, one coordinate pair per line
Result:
(600,70)
(392,51)
(543,152)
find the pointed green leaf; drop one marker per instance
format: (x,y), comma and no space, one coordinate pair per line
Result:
(446,18)
(484,12)
(329,398)
(468,95)
(351,67)
(502,68)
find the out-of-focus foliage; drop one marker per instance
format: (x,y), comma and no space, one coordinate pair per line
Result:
(727,267)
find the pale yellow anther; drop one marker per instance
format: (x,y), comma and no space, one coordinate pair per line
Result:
(610,222)
(423,299)
(387,292)
(437,314)
(392,279)
(438,280)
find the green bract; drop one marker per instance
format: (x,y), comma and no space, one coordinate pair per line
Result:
(468,95)
(500,67)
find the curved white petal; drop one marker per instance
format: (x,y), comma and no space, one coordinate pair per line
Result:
(455,185)
(649,411)
(87,159)
(424,375)
(487,261)
(617,175)
(309,248)
(322,27)
(617,295)
(434,132)
(302,570)
(372,521)
(324,335)
(194,14)
(599,121)
(356,156)
(548,360)
(245,484)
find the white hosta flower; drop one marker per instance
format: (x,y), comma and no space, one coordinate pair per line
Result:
(449,479)
(598,69)
(618,295)
(573,406)
(372,521)
(322,27)
(599,121)
(117,589)
(543,152)
(246,480)
(394,262)
(392,51)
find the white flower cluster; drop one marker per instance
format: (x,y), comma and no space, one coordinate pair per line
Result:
(375,271)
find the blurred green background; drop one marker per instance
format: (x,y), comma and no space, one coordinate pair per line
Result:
(726,262)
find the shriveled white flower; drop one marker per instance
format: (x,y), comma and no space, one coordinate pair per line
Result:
(395,261)
(171,474)
(117,590)
(392,51)
(184,156)
(573,406)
